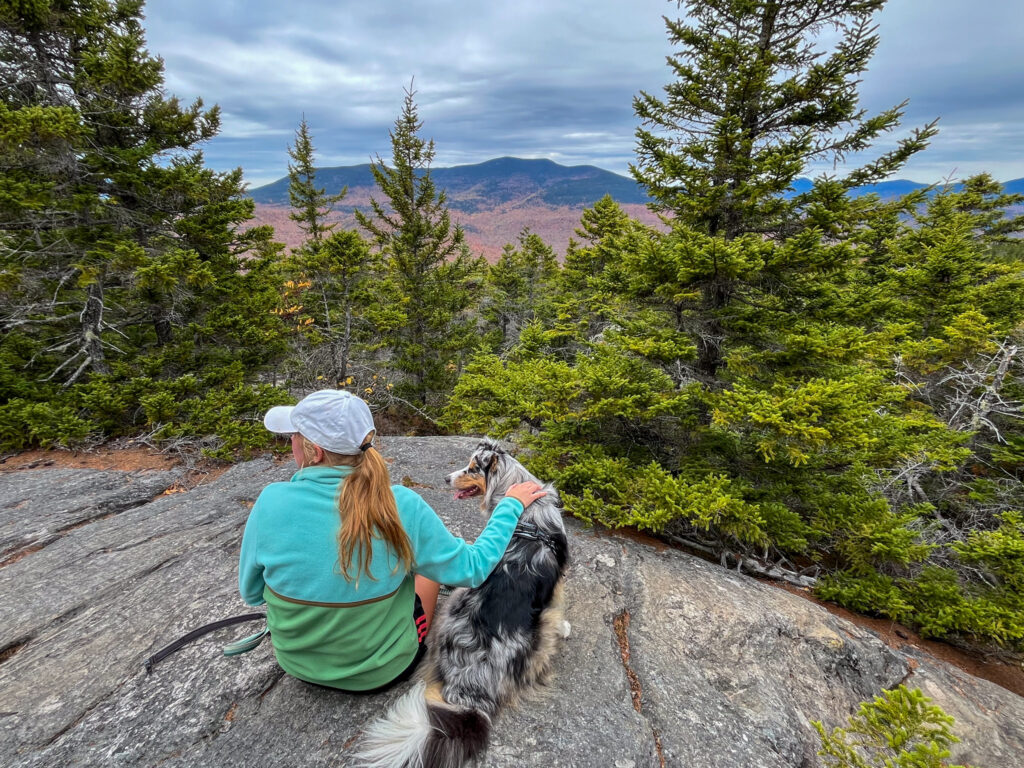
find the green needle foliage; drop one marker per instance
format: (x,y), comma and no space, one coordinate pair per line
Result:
(755,101)
(330,299)
(329,296)
(519,289)
(311,205)
(899,729)
(120,252)
(815,384)
(431,279)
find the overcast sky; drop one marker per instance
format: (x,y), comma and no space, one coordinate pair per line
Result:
(543,78)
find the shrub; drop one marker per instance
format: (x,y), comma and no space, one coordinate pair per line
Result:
(24,424)
(178,408)
(899,729)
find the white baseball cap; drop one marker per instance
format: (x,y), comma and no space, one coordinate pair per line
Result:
(334,419)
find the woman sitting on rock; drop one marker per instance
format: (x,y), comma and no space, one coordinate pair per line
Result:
(349,565)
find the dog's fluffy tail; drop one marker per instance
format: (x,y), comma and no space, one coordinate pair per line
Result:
(417,733)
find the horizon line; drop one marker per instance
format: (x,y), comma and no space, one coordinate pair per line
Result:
(253,186)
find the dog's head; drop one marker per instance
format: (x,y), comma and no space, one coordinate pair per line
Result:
(489,474)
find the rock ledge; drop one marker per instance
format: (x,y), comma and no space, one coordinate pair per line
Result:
(672,660)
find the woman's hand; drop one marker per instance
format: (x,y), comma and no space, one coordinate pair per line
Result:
(526,493)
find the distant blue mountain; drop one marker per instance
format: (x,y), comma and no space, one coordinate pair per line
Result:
(514,181)
(888,189)
(1015,187)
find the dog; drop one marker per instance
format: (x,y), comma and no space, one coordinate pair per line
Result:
(492,644)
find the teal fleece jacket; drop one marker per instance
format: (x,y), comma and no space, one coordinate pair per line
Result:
(356,634)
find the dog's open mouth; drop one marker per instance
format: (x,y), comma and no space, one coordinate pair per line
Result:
(465,493)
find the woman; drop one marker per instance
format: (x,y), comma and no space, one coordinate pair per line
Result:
(334,551)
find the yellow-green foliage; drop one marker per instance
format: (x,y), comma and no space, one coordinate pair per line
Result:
(788,422)
(164,410)
(25,424)
(899,729)
(612,492)
(818,437)
(939,601)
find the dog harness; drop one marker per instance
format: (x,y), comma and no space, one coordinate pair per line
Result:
(532,532)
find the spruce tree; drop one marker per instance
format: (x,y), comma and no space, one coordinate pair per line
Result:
(331,275)
(430,271)
(791,403)
(946,294)
(311,205)
(520,289)
(593,295)
(333,284)
(732,379)
(754,102)
(114,236)
(105,180)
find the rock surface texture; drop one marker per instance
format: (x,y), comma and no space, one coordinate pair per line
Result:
(672,661)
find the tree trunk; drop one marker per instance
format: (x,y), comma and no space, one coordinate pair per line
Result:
(161,324)
(709,340)
(346,341)
(92,325)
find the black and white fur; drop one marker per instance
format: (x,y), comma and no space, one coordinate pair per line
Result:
(491,644)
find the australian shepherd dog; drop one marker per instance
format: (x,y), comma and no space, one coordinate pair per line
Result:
(491,644)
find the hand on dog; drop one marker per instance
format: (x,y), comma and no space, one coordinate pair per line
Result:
(526,493)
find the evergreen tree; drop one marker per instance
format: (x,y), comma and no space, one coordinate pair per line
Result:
(90,129)
(594,295)
(431,273)
(754,102)
(333,284)
(311,206)
(945,295)
(106,182)
(946,263)
(520,289)
(114,237)
(331,275)
(731,380)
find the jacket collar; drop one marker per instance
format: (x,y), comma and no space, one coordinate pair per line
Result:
(319,473)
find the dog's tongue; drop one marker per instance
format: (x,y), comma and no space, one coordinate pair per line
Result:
(463,493)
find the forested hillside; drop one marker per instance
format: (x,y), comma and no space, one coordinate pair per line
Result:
(796,378)
(487,230)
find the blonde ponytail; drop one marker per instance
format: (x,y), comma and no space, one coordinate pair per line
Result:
(367,508)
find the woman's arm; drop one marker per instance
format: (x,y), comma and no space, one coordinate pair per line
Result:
(448,559)
(250,571)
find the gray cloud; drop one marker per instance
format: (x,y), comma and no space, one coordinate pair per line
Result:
(542,78)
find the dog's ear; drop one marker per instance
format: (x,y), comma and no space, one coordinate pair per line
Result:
(491,463)
(490,445)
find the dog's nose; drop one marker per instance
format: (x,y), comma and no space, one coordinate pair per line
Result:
(447,479)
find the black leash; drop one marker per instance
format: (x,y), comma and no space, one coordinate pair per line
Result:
(195,634)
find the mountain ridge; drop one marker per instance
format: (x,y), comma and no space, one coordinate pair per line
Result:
(484,185)
(557,184)
(496,199)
